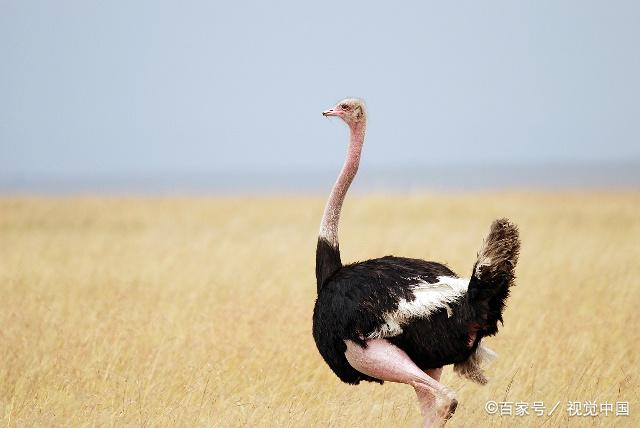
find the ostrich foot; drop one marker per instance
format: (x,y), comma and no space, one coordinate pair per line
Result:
(436,409)
(447,409)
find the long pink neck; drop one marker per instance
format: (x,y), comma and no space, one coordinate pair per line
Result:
(331,216)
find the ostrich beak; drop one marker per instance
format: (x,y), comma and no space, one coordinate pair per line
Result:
(330,112)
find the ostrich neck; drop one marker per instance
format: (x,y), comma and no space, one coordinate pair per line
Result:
(331,216)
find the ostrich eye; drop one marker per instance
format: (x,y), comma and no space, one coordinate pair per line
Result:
(345,107)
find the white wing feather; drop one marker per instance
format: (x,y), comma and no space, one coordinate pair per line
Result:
(429,297)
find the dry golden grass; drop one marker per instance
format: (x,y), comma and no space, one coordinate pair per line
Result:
(197,312)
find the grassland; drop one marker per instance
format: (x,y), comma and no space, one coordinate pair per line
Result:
(197,312)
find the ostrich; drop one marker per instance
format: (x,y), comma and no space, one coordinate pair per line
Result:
(399,319)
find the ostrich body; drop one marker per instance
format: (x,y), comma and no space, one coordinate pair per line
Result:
(400,319)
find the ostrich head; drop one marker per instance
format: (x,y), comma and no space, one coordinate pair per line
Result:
(351,110)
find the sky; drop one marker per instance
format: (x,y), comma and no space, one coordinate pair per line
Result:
(165,88)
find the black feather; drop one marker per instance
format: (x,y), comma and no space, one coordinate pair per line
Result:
(327,261)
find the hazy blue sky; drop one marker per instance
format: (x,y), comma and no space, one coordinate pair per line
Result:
(152,87)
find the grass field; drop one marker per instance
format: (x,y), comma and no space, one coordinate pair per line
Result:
(197,312)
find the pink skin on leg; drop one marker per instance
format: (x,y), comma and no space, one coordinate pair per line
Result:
(426,399)
(435,373)
(385,361)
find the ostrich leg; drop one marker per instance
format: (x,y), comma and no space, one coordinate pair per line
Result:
(427,400)
(385,361)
